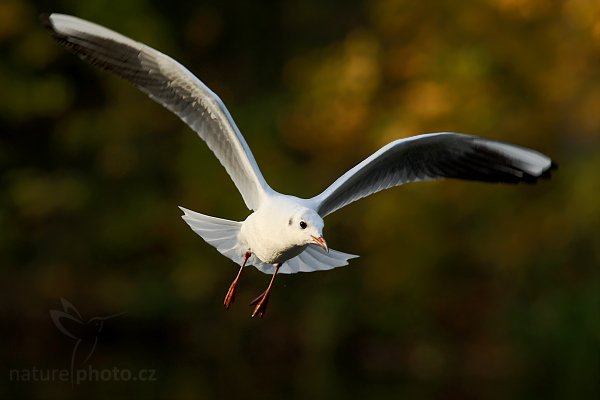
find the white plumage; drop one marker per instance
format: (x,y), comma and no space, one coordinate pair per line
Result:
(284,233)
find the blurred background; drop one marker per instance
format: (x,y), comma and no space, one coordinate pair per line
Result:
(462,291)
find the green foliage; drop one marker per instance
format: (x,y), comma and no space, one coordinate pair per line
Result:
(463,290)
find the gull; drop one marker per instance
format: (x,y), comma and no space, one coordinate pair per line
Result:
(284,233)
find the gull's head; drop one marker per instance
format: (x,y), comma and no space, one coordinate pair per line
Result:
(306,227)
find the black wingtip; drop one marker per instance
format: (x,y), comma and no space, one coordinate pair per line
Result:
(47,23)
(45,20)
(547,174)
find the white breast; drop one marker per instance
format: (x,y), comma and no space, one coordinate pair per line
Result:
(266,232)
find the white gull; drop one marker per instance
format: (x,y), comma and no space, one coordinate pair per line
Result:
(284,234)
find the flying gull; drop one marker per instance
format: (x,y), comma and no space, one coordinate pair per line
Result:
(284,234)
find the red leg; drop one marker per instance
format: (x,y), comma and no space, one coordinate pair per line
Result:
(230,296)
(262,300)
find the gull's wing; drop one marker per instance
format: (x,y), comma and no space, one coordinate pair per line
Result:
(433,156)
(172,85)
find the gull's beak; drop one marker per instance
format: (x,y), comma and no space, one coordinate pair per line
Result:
(320,241)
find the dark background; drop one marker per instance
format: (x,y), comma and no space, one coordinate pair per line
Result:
(462,291)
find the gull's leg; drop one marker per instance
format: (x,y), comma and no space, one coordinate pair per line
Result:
(262,300)
(230,296)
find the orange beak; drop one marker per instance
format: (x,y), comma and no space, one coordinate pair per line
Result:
(320,241)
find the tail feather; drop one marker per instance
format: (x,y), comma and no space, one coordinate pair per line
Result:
(219,233)
(313,258)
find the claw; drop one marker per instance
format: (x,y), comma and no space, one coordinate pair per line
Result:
(230,296)
(261,304)
(262,300)
(259,298)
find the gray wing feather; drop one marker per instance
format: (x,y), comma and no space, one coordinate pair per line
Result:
(434,156)
(172,85)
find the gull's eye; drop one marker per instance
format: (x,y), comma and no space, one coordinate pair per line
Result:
(303,225)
